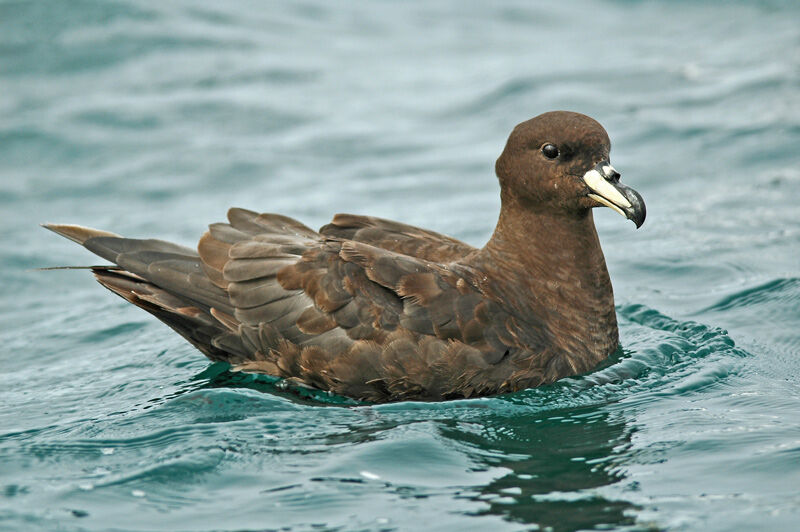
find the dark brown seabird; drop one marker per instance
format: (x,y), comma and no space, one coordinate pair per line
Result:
(381,311)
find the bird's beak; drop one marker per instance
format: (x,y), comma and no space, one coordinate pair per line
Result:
(605,188)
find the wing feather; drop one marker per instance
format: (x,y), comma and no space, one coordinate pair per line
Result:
(367,307)
(397,237)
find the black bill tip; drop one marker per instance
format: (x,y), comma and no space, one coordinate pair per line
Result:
(637,212)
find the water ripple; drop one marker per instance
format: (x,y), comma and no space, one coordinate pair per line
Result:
(151,118)
(784,293)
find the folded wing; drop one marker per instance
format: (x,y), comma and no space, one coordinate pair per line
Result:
(367,308)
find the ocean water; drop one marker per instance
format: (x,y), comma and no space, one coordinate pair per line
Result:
(151,118)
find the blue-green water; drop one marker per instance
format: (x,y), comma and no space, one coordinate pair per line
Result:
(151,118)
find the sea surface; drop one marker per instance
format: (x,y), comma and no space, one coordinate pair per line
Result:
(151,118)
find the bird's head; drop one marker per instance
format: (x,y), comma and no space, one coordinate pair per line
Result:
(559,161)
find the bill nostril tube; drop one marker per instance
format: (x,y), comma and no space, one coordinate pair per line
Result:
(607,171)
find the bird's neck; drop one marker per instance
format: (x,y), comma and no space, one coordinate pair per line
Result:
(551,264)
(548,245)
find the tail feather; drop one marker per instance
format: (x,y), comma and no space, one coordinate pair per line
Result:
(77,233)
(174,268)
(168,281)
(112,247)
(195,324)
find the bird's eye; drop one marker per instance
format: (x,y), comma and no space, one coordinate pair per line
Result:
(550,151)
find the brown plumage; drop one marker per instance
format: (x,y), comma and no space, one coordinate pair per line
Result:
(383,311)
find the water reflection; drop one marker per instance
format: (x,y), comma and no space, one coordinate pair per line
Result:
(557,459)
(558,451)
